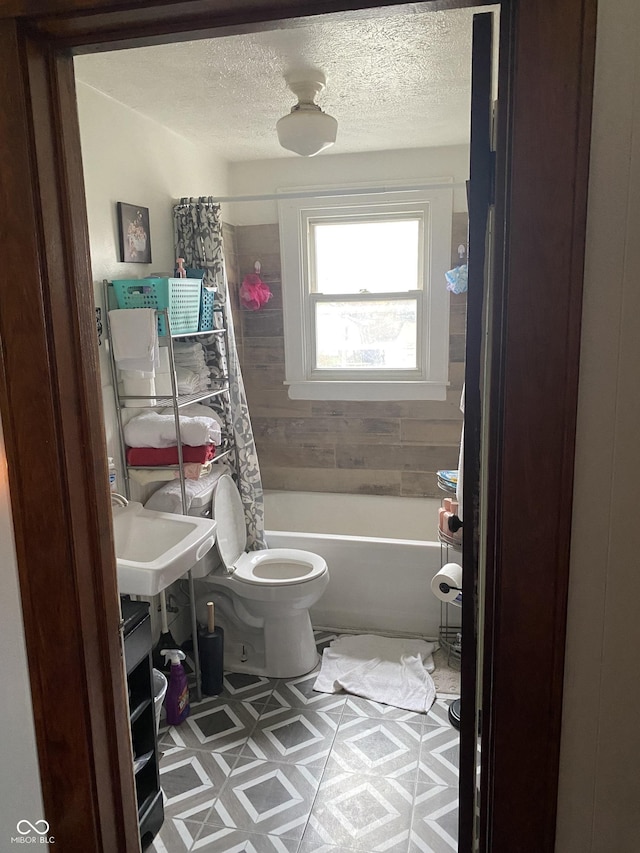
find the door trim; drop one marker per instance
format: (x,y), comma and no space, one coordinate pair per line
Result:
(479,199)
(49,371)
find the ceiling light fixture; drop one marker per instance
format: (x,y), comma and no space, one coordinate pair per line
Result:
(307,130)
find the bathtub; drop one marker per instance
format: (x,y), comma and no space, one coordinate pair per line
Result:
(381,552)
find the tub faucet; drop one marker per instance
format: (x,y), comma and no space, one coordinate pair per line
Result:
(118,500)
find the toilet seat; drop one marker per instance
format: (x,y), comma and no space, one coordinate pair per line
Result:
(279,567)
(272,567)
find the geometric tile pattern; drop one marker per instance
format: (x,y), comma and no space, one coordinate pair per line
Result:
(434,828)
(191,781)
(217,725)
(293,736)
(225,840)
(439,756)
(356,706)
(299,693)
(361,812)
(271,766)
(268,797)
(377,748)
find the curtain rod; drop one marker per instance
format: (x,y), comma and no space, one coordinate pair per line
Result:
(335,193)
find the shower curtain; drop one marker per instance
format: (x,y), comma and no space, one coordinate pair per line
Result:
(198,239)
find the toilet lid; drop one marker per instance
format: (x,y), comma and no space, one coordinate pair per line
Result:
(227,510)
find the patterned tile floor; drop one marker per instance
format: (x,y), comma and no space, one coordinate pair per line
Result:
(270,765)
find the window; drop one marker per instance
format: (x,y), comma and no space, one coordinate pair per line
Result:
(365,302)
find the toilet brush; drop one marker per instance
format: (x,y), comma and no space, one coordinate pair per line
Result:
(166,640)
(211,646)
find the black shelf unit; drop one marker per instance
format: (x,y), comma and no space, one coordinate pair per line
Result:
(142,719)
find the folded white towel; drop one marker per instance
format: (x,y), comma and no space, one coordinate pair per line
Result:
(196,410)
(157,475)
(134,337)
(384,669)
(187,348)
(155,430)
(133,385)
(144,476)
(191,364)
(164,387)
(169,498)
(188,381)
(194,353)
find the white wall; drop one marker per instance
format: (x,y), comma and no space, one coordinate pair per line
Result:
(600,756)
(127,157)
(20,790)
(268,176)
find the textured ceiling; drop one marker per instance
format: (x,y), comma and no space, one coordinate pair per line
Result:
(396,81)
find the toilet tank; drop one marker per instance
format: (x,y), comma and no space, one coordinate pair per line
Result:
(168,498)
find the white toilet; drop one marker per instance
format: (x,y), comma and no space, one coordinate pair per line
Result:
(262,597)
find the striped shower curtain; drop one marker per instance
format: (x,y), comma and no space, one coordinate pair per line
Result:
(198,239)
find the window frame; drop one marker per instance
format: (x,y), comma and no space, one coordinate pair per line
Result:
(297,216)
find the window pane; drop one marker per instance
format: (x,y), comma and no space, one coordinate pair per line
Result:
(374,257)
(366,335)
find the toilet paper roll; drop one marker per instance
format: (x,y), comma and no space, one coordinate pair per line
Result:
(447,583)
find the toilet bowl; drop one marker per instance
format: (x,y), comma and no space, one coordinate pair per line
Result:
(263,597)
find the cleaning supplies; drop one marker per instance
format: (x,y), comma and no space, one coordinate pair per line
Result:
(166,640)
(211,646)
(176,701)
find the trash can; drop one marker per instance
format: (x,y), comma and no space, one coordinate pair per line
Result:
(159,691)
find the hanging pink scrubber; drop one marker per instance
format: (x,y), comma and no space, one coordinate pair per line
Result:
(254,293)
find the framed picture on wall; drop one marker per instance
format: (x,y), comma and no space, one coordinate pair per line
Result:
(133,230)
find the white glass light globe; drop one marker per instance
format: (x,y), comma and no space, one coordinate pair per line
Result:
(307,130)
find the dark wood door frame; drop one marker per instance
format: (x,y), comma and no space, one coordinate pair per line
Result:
(49,376)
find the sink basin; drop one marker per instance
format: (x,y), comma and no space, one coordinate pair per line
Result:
(153,549)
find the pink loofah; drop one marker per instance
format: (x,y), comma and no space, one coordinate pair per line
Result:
(254,293)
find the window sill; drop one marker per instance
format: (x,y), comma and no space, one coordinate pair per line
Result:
(369,390)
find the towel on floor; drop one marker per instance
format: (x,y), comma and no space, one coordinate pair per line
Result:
(134,337)
(169,455)
(393,671)
(152,429)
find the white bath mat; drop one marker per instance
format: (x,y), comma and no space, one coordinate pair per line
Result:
(388,670)
(446,675)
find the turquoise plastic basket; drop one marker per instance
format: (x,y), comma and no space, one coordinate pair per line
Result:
(207,301)
(181,296)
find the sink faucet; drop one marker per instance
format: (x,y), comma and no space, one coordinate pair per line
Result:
(118,500)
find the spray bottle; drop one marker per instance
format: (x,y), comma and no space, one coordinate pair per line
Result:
(177,699)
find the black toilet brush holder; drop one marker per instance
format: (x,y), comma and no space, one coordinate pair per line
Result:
(211,649)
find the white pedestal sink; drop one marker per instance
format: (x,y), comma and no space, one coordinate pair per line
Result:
(154,549)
